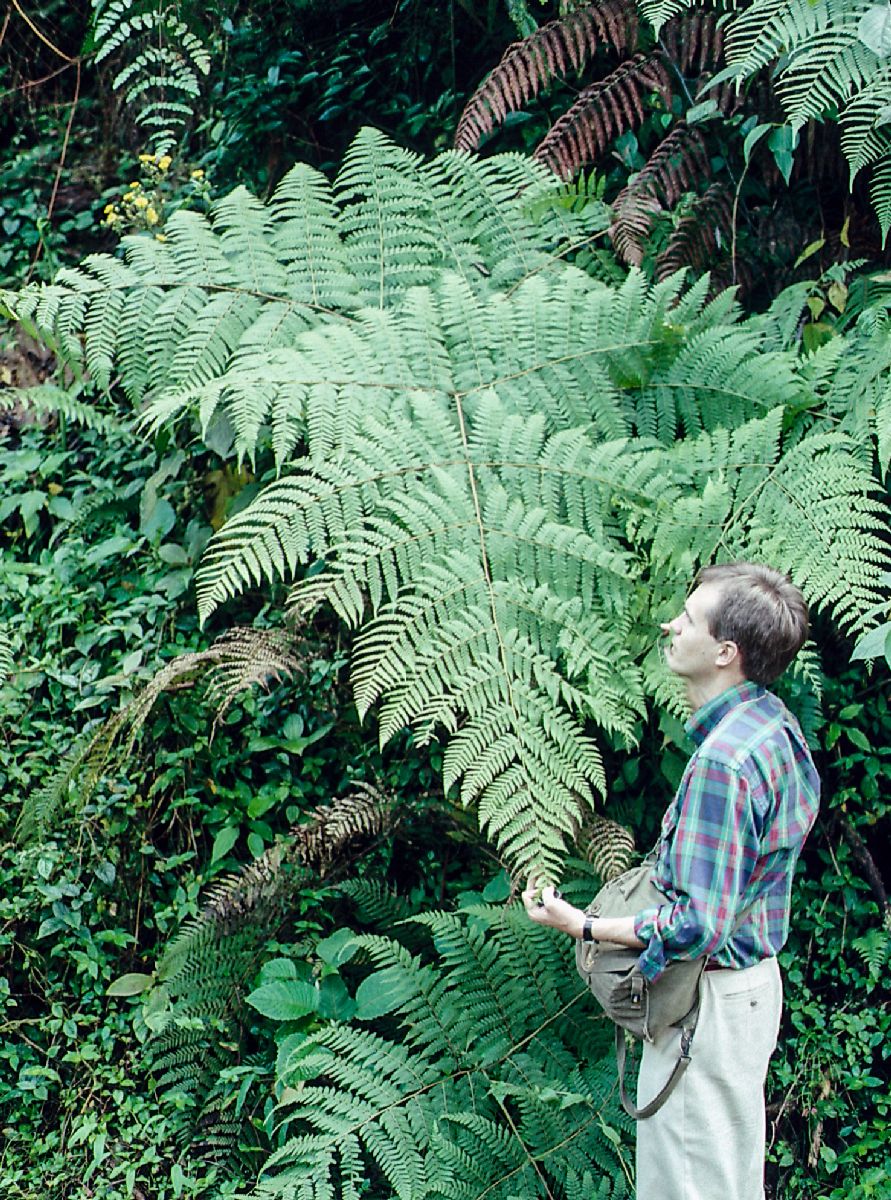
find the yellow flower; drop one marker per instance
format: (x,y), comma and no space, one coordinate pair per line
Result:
(140,202)
(164,162)
(151,216)
(199,174)
(160,237)
(146,158)
(128,196)
(136,185)
(109,208)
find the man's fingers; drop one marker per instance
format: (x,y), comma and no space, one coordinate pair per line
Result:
(537,894)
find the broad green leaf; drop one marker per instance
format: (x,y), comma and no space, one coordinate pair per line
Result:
(278,968)
(383,992)
(223,842)
(752,138)
(497,889)
(338,948)
(874,644)
(335,1002)
(132,984)
(782,143)
(810,248)
(285,999)
(874,30)
(701,112)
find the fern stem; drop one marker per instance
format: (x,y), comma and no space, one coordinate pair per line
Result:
(55,49)
(529,1157)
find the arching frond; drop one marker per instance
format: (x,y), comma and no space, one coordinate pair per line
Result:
(204,324)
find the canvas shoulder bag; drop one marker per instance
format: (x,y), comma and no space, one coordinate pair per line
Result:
(625,994)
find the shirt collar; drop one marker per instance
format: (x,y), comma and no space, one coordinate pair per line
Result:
(707,717)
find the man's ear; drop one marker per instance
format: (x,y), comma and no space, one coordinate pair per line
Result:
(728,654)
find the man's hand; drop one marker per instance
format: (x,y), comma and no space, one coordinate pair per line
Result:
(544,906)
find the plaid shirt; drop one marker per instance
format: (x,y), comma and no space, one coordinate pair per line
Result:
(732,835)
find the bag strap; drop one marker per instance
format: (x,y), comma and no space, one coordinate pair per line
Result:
(647,1110)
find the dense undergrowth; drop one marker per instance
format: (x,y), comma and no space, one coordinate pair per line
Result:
(113,1083)
(96,597)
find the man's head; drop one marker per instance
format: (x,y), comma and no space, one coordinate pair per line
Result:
(741,618)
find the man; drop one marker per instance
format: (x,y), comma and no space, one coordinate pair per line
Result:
(725,860)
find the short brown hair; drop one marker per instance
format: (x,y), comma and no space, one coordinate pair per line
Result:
(762,611)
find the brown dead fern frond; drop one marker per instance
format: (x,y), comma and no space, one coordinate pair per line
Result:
(243,910)
(610,848)
(205,972)
(702,237)
(319,849)
(602,111)
(676,166)
(537,61)
(694,41)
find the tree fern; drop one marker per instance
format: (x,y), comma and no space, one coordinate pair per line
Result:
(477,454)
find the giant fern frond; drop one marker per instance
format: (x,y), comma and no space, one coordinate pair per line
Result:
(204,323)
(471,533)
(479,468)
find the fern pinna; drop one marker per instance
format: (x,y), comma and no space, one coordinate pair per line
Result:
(478,454)
(492,1082)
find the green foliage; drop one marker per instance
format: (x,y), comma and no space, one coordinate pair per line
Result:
(829,57)
(475,1067)
(830,1107)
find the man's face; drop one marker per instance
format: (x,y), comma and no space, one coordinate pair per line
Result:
(691,651)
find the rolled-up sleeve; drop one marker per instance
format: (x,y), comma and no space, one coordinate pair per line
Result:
(711,855)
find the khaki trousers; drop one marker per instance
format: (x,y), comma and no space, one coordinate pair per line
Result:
(707,1141)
